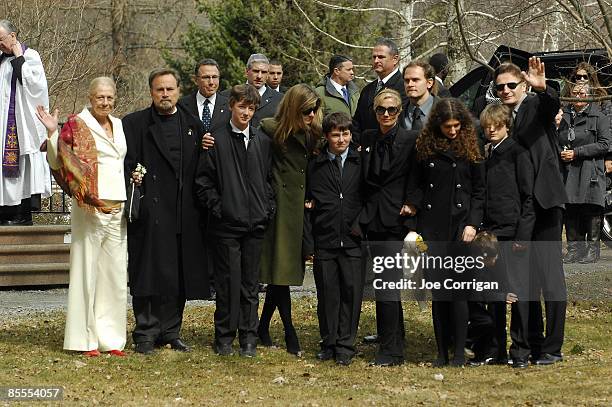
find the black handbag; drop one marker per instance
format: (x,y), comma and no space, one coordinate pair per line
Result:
(131,210)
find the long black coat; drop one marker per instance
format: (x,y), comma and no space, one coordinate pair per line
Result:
(220,115)
(385,197)
(534,129)
(509,210)
(585,176)
(364,117)
(449,194)
(168,206)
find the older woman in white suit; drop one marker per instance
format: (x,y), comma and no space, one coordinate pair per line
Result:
(86,159)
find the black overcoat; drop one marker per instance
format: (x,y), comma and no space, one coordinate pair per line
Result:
(167,208)
(585,176)
(534,129)
(385,197)
(449,194)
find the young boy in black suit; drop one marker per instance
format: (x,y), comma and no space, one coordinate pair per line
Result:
(510,216)
(233,182)
(334,197)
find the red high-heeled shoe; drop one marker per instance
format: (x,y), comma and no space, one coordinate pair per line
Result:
(117,352)
(92,353)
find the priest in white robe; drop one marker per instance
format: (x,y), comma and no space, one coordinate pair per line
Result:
(24,176)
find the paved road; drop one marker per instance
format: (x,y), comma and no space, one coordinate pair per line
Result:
(589,281)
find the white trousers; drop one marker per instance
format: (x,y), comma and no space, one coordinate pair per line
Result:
(97,295)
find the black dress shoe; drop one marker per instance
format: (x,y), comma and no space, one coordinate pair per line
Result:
(482,362)
(263,337)
(457,363)
(248,351)
(343,359)
(146,348)
(178,345)
(519,364)
(439,362)
(325,354)
(387,361)
(224,349)
(369,339)
(547,359)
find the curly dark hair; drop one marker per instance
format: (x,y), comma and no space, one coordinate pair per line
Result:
(431,140)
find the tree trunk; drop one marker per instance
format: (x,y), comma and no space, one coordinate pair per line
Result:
(458,58)
(119,22)
(405,43)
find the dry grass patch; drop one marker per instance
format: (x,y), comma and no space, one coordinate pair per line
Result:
(31,355)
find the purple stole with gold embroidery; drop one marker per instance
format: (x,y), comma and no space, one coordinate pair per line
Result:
(10,154)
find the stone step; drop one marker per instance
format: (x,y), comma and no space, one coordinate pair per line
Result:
(34,253)
(42,234)
(34,274)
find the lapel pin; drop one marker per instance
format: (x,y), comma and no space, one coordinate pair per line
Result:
(189,132)
(367,149)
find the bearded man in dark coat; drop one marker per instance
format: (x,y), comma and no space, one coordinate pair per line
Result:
(166,256)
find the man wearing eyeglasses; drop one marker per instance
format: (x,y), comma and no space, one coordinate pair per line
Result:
(211,107)
(534,127)
(25,173)
(206,103)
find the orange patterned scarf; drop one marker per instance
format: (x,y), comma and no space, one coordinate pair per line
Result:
(78,174)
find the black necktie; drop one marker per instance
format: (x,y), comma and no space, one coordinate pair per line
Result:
(417,124)
(338,161)
(379,87)
(206,119)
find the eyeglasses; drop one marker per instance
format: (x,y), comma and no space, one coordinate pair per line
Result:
(511,85)
(209,78)
(310,110)
(391,110)
(581,77)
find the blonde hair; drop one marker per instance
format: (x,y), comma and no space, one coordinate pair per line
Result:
(290,119)
(388,94)
(496,115)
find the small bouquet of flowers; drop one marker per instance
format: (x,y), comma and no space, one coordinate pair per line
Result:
(134,194)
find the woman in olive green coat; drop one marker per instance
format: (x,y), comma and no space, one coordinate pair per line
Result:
(296,129)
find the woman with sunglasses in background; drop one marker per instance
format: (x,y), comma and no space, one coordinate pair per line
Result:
(296,130)
(387,154)
(584,138)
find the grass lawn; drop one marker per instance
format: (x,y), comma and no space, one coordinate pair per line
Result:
(31,355)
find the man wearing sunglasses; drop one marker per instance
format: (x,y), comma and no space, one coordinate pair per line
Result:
(25,174)
(534,127)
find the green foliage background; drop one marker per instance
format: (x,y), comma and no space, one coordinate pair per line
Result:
(238,28)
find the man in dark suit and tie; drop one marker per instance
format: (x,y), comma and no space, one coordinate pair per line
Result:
(439,62)
(534,116)
(212,109)
(206,103)
(275,76)
(257,70)
(420,86)
(385,62)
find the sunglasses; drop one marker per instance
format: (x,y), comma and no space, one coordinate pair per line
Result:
(581,77)
(310,110)
(391,110)
(511,85)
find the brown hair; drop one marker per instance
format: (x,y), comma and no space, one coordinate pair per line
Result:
(246,93)
(337,120)
(290,119)
(431,141)
(428,70)
(596,88)
(508,67)
(496,114)
(161,72)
